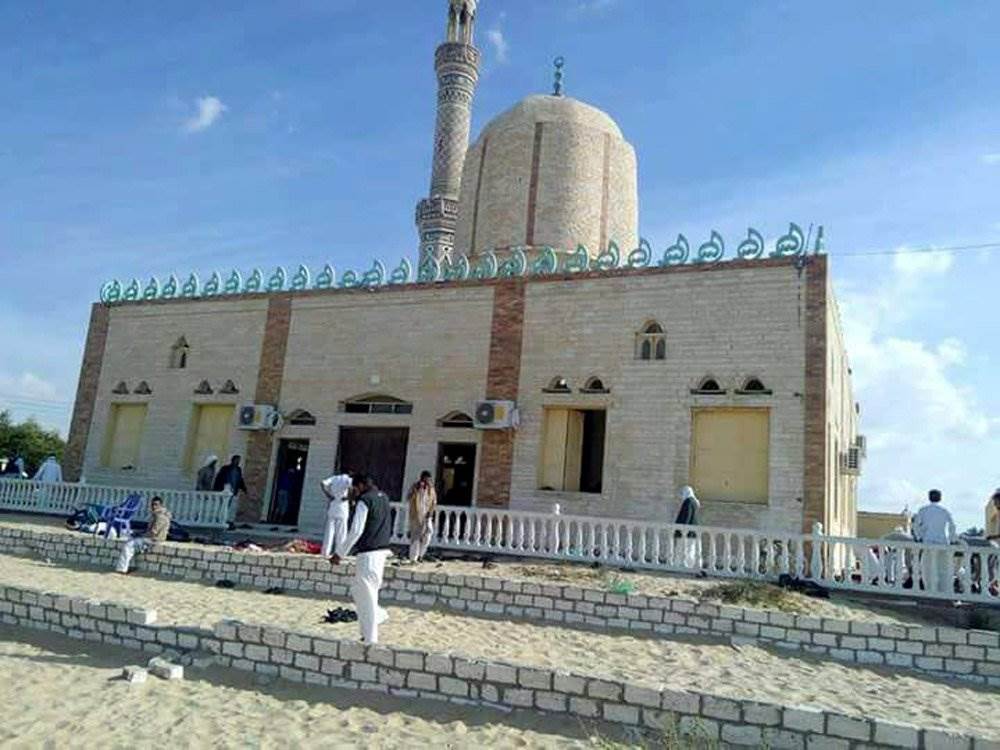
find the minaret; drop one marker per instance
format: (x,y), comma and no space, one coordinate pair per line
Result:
(457,64)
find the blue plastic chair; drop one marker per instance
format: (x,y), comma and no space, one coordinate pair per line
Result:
(119,517)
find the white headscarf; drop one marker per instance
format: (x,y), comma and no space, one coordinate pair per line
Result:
(687,493)
(336,486)
(210,459)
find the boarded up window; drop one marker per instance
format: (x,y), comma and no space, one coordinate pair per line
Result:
(211,426)
(730,454)
(572,450)
(121,443)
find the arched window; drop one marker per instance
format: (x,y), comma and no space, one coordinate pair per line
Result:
(456,420)
(595,385)
(301,418)
(651,342)
(377,403)
(179,354)
(754,385)
(709,386)
(558,384)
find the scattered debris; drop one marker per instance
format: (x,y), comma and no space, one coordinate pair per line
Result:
(277,590)
(225,583)
(754,594)
(165,669)
(134,675)
(340,614)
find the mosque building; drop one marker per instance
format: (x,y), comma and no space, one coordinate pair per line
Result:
(539,353)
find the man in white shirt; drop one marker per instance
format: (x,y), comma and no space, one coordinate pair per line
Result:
(369,536)
(335,487)
(933,524)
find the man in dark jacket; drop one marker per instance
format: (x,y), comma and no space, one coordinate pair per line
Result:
(369,536)
(231,475)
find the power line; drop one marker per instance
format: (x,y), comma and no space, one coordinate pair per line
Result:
(922,250)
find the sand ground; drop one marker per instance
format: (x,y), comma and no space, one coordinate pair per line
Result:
(60,693)
(697,664)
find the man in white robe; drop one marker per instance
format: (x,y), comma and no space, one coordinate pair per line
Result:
(933,524)
(369,537)
(335,487)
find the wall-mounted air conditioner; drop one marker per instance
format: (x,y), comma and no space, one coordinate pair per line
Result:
(495,415)
(259,417)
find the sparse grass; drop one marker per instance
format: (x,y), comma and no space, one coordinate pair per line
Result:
(755,594)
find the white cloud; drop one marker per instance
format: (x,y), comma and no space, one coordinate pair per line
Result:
(209,110)
(498,41)
(27,385)
(991,158)
(594,6)
(921,420)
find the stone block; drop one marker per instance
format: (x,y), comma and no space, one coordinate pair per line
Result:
(422,681)
(941,739)
(820,742)
(253,652)
(134,675)
(534,678)
(742,734)
(569,683)
(621,713)
(165,670)
(609,691)
(501,673)
(307,662)
(895,735)
(640,696)
(762,714)
(699,729)
(845,726)
(720,708)
(518,697)
(452,686)
(583,707)
(803,719)
(547,701)
(298,643)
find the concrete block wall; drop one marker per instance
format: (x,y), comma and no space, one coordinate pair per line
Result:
(418,674)
(949,653)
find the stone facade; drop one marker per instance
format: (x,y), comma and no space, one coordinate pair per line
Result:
(504,339)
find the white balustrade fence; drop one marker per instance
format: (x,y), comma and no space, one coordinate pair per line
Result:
(202,509)
(878,566)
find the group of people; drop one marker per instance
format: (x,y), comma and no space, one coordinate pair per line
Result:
(359,521)
(48,471)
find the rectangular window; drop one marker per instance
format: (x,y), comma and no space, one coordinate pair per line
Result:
(124,433)
(572,450)
(730,454)
(211,426)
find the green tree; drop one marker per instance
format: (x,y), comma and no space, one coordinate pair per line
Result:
(28,440)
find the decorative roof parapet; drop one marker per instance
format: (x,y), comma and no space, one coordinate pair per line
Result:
(486,265)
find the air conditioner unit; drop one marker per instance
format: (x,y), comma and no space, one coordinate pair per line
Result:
(850,461)
(259,417)
(495,415)
(861,442)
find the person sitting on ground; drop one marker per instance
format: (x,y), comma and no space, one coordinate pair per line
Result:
(423,504)
(159,527)
(206,474)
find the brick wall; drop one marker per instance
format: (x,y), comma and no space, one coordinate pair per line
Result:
(506,335)
(86,392)
(270,371)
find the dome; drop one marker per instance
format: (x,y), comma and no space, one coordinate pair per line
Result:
(543,108)
(550,171)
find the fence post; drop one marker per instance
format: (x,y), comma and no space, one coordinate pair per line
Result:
(816,572)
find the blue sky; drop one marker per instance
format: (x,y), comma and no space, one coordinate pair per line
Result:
(140,139)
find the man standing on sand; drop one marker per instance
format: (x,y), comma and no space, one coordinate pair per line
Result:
(230,479)
(159,527)
(369,536)
(423,504)
(933,524)
(335,487)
